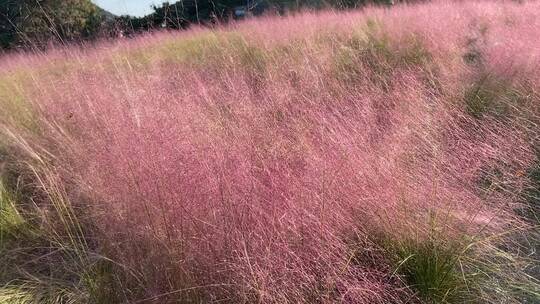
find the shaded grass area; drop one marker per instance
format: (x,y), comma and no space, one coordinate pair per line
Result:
(493,96)
(467,269)
(41,260)
(371,53)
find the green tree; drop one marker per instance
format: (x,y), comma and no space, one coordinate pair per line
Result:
(9,13)
(63,20)
(35,22)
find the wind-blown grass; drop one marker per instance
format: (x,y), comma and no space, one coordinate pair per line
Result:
(374,156)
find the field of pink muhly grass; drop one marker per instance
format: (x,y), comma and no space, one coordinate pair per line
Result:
(373,156)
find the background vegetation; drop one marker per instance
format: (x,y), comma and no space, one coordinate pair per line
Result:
(38,23)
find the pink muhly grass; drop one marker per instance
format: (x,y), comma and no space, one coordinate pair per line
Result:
(275,161)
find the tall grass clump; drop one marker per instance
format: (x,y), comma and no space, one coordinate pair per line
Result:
(373,156)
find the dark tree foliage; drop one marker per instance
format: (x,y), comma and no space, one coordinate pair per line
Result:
(37,22)
(10,10)
(183,13)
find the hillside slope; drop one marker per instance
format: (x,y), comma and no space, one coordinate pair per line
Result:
(373,156)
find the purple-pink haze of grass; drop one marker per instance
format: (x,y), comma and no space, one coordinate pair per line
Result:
(245,160)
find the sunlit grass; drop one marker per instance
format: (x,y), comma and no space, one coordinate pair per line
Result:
(233,164)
